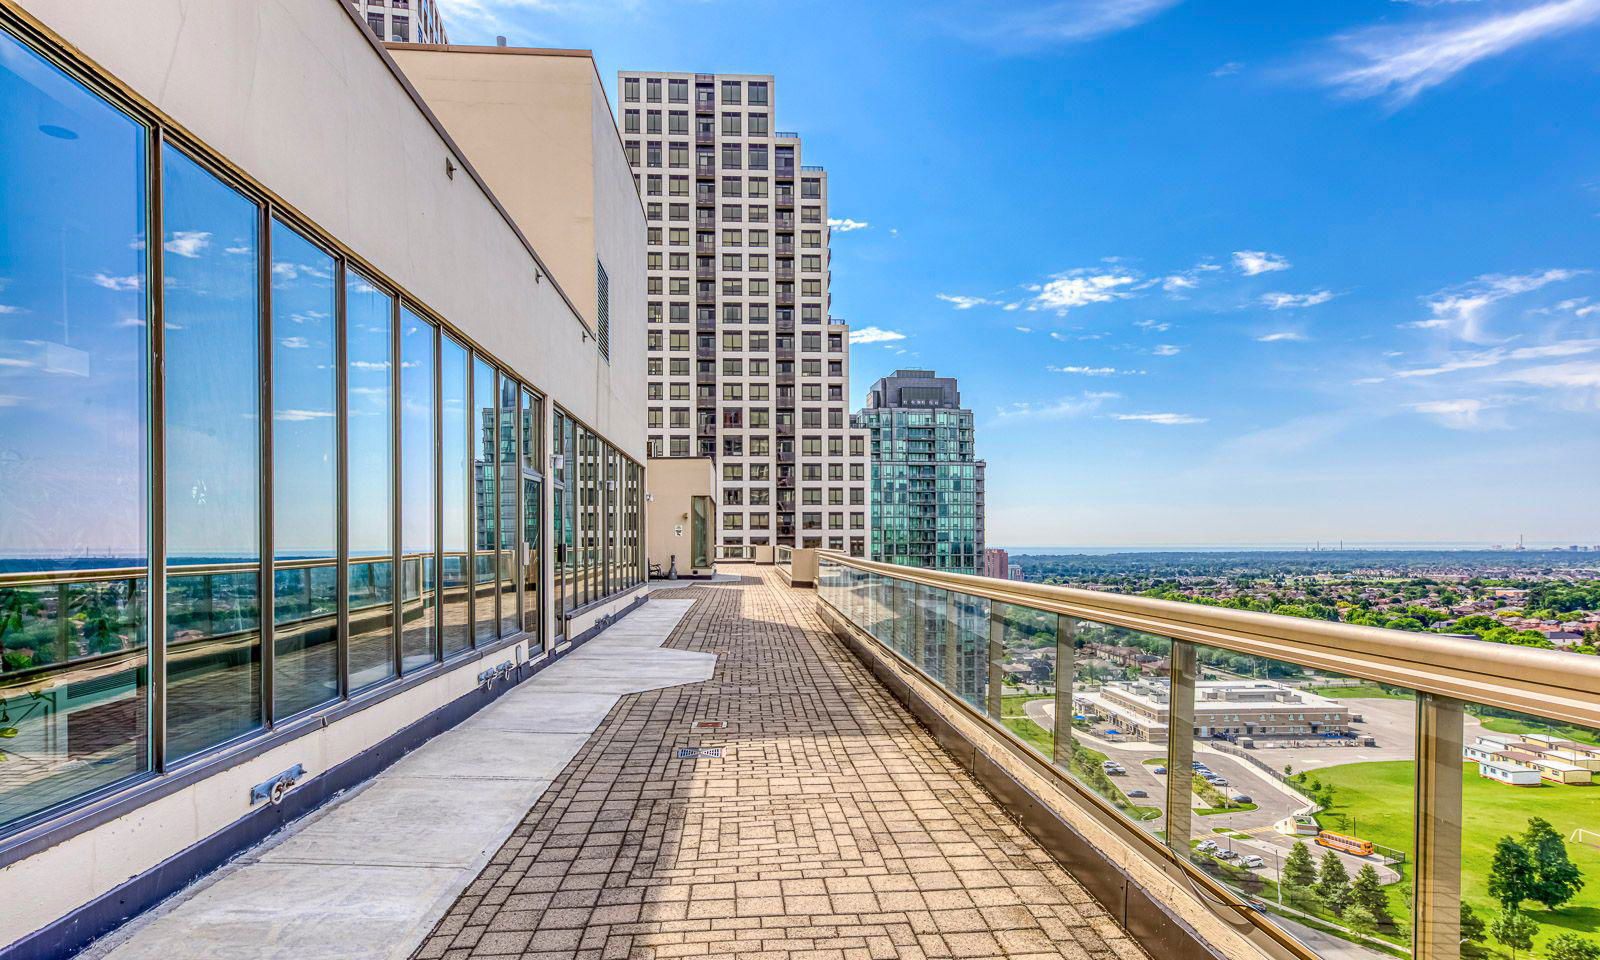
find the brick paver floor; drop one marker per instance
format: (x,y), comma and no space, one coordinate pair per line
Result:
(833,827)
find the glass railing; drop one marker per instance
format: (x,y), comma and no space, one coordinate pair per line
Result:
(1349,791)
(783,556)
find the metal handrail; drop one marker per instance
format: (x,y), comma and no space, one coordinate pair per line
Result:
(1548,683)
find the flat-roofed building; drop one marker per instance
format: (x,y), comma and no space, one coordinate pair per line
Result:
(1223,709)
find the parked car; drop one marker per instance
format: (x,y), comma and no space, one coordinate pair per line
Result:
(1159,771)
(1137,795)
(1207,846)
(1219,781)
(1227,855)
(1243,798)
(1252,862)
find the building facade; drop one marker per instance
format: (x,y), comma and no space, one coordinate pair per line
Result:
(996,563)
(927,481)
(744,362)
(402,21)
(349,484)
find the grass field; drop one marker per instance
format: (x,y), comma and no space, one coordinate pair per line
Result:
(1379,798)
(1510,725)
(1367,691)
(1015,719)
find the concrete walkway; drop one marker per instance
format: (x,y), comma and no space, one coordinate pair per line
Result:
(787,809)
(369,875)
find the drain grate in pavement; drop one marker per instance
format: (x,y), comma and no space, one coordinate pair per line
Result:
(699,753)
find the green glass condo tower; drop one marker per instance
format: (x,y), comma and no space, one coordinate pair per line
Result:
(927,483)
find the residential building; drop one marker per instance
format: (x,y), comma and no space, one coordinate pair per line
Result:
(402,21)
(303,398)
(927,481)
(996,563)
(1013,572)
(745,364)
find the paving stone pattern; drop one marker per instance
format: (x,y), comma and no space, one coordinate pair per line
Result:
(833,827)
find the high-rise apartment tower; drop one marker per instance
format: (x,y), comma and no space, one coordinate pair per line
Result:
(927,482)
(744,363)
(402,21)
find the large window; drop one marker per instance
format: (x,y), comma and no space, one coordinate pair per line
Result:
(485,506)
(454,433)
(212,463)
(510,523)
(532,493)
(369,443)
(305,474)
(418,538)
(73,370)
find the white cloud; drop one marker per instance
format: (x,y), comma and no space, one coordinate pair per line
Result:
(1400,62)
(1280,336)
(1164,419)
(1024,329)
(1296,301)
(1080,288)
(119,284)
(1228,69)
(964,302)
(845,224)
(1152,326)
(1166,350)
(188,243)
(301,416)
(1058,335)
(294,343)
(874,335)
(1463,311)
(1573,375)
(1463,414)
(1094,371)
(1252,262)
(1498,355)
(6,308)
(1066,407)
(1062,21)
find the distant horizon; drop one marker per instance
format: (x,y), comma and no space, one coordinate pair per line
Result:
(1327,546)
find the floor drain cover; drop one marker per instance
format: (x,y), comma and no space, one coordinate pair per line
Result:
(699,753)
(710,724)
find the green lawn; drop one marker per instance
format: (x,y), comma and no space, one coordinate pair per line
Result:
(1213,811)
(1510,725)
(1379,797)
(1015,718)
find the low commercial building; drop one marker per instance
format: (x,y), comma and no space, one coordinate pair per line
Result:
(1223,709)
(1515,749)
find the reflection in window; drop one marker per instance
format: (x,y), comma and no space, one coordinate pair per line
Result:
(368,361)
(212,465)
(453,433)
(485,504)
(532,490)
(510,621)
(305,400)
(568,543)
(72,370)
(418,598)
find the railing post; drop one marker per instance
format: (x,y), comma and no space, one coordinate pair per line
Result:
(1440,738)
(997,654)
(1180,746)
(919,630)
(1066,671)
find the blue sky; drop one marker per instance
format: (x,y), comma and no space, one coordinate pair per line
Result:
(1209,272)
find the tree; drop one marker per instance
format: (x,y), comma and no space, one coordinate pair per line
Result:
(1570,946)
(1556,878)
(1299,870)
(1511,874)
(1360,920)
(1515,929)
(1473,930)
(1367,892)
(1333,883)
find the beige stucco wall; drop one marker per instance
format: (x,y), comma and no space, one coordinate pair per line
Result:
(669,485)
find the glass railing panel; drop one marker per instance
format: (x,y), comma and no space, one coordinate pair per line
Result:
(73,681)
(1022,657)
(1302,798)
(1529,861)
(967,648)
(1115,740)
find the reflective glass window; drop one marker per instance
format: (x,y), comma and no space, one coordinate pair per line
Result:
(419,575)
(305,402)
(369,350)
(73,379)
(454,433)
(213,442)
(486,560)
(510,527)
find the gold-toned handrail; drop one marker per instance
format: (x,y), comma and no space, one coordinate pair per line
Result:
(1547,683)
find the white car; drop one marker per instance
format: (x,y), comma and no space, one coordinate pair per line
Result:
(1253,861)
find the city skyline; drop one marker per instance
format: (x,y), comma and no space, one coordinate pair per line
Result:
(1364,330)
